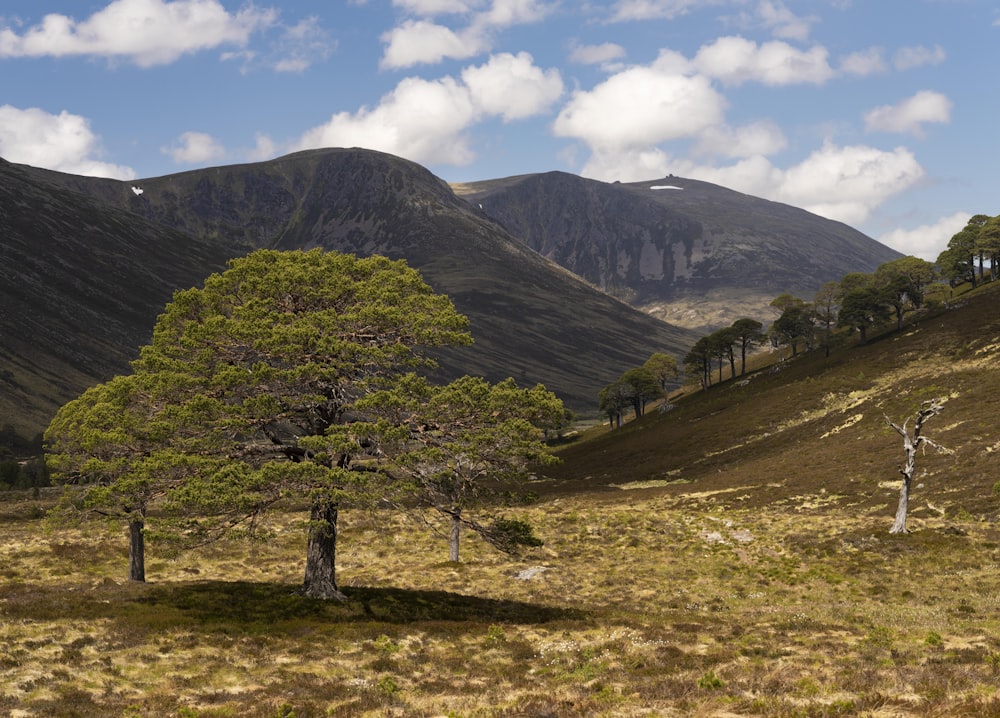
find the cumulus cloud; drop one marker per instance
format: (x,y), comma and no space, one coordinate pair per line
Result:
(926,241)
(841,183)
(848,183)
(427,120)
(640,107)
(421,120)
(735,60)
(421,41)
(418,42)
(908,58)
(910,115)
(62,142)
(627,10)
(783,22)
(194,148)
(761,138)
(596,54)
(432,7)
(512,86)
(864,62)
(147,32)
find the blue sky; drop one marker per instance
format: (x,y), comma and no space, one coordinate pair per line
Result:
(878,113)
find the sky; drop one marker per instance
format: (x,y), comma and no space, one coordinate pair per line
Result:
(878,113)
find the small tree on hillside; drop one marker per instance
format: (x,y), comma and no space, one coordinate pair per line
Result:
(902,281)
(612,400)
(748,334)
(911,444)
(826,303)
(795,326)
(723,342)
(862,309)
(664,369)
(642,387)
(698,361)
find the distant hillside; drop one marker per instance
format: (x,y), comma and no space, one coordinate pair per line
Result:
(813,428)
(88,263)
(689,252)
(80,285)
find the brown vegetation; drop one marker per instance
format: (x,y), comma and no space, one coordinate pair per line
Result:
(730,557)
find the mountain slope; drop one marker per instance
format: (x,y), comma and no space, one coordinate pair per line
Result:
(811,431)
(80,284)
(531,319)
(690,252)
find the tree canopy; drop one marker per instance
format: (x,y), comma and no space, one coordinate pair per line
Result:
(264,371)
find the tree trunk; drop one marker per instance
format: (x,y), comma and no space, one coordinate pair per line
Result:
(321,554)
(456,534)
(136,550)
(899,526)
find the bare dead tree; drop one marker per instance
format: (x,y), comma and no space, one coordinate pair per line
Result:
(911,444)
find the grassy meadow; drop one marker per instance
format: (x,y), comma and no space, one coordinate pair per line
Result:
(728,557)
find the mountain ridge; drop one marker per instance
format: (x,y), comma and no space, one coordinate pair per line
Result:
(530,319)
(666,245)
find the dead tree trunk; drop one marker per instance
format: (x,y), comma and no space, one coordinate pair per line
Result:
(321,553)
(911,443)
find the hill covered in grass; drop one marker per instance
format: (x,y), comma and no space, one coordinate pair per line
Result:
(815,425)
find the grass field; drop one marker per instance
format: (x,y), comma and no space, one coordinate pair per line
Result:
(638,605)
(730,557)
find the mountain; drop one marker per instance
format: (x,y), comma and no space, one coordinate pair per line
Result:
(88,263)
(80,286)
(690,252)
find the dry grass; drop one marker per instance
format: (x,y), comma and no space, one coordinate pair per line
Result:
(646,606)
(728,558)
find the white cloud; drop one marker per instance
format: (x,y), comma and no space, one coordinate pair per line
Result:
(926,241)
(641,107)
(757,139)
(264,149)
(910,115)
(735,60)
(596,54)
(193,148)
(783,22)
(420,41)
(301,45)
(416,42)
(512,86)
(848,183)
(627,10)
(427,8)
(505,13)
(62,142)
(148,32)
(427,120)
(842,183)
(628,165)
(421,120)
(907,58)
(864,62)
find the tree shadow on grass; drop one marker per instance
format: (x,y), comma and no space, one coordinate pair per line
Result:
(276,608)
